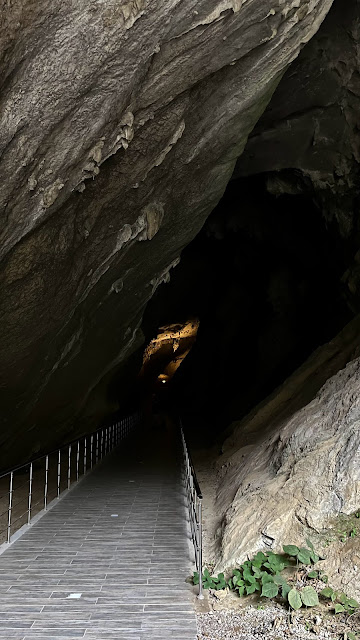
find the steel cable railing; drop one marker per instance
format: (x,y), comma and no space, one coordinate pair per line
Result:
(53,473)
(194,503)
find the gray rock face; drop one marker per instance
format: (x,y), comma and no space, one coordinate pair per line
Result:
(309,134)
(290,472)
(120,124)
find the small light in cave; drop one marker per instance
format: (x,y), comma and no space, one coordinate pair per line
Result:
(163,381)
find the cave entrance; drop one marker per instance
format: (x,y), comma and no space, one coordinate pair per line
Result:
(264,277)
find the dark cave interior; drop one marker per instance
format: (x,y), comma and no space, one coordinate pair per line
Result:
(264,278)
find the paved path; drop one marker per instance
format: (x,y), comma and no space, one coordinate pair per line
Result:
(118,539)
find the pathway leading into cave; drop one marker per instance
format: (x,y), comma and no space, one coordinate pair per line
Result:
(109,561)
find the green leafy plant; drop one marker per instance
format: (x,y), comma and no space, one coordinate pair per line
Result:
(210,582)
(315,573)
(263,575)
(303,555)
(342,603)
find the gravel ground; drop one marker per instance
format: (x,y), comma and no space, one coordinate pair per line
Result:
(252,624)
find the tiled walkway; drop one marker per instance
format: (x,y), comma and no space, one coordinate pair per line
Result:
(109,561)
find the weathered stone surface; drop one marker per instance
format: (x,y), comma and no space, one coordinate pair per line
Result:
(120,122)
(292,466)
(308,138)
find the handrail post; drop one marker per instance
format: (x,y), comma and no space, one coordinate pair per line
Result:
(200,595)
(11,491)
(85,454)
(69,468)
(59,473)
(77,460)
(46,482)
(30,491)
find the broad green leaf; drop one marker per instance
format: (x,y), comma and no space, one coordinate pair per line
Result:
(309,597)
(294,599)
(353,603)
(343,598)
(221,577)
(247,574)
(313,574)
(196,578)
(327,592)
(278,579)
(250,589)
(231,584)
(304,556)
(314,557)
(275,565)
(351,635)
(285,589)
(309,544)
(259,559)
(236,572)
(278,558)
(291,549)
(267,578)
(270,590)
(207,584)
(339,608)
(241,591)
(324,579)
(206,574)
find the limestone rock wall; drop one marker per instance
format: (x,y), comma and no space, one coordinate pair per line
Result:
(292,465)
(120,124)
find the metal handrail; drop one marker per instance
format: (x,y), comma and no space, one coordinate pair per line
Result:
(194,502)
(94,446)
(68,444)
